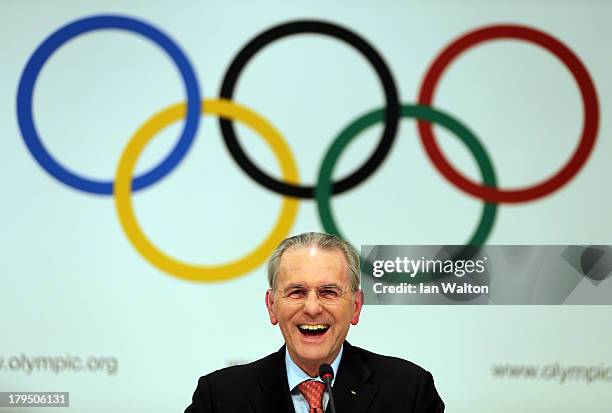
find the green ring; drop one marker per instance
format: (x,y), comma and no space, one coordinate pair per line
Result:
(323,188)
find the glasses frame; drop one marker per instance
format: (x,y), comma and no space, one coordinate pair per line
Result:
(341,294)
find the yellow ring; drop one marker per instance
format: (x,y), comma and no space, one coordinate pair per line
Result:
(123,188)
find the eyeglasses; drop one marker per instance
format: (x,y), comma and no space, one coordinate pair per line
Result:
(328,295)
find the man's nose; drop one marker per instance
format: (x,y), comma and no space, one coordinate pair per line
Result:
(312,304)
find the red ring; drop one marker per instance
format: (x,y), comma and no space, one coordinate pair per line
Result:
(589,100)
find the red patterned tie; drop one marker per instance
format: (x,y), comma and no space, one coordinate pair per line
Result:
(313,393)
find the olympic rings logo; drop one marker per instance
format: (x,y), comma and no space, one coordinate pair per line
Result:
(229,111)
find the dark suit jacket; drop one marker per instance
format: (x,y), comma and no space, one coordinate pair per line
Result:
(365,382)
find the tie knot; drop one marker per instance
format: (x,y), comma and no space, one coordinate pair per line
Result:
(313,393)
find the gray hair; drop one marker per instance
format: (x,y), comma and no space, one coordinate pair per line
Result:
(319,240)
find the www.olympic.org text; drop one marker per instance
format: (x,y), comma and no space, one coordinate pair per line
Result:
(554,372)
(58,364)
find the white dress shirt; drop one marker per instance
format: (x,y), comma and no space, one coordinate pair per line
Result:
(296,375)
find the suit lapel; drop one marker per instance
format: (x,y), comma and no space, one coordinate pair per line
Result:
(272,394)
(352,393)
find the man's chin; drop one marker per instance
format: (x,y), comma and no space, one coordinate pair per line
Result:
(310,363)
(314,354)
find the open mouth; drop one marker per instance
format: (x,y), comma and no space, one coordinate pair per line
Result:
(312,330)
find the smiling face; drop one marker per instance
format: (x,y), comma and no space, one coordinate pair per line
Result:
(314,329)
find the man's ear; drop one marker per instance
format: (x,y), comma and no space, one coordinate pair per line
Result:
(358,304)
(270,306)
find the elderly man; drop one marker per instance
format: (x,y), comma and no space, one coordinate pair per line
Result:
(314,297)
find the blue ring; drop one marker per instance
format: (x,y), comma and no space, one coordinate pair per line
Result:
(54,42)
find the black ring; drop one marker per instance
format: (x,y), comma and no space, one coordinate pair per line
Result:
(309,26)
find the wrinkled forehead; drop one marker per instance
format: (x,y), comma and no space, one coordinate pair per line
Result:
(313,267)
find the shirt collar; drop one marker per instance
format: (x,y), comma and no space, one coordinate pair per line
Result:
(295,375)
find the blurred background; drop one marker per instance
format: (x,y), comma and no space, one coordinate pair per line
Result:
(83,310)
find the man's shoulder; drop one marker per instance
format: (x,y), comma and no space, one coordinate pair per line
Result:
(381,361)
(401,383)
(388,365)
(227,389)
(242,373)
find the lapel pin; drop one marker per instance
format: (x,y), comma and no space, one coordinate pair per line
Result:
(353,392)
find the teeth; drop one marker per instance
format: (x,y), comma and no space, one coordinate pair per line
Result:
(313,326)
